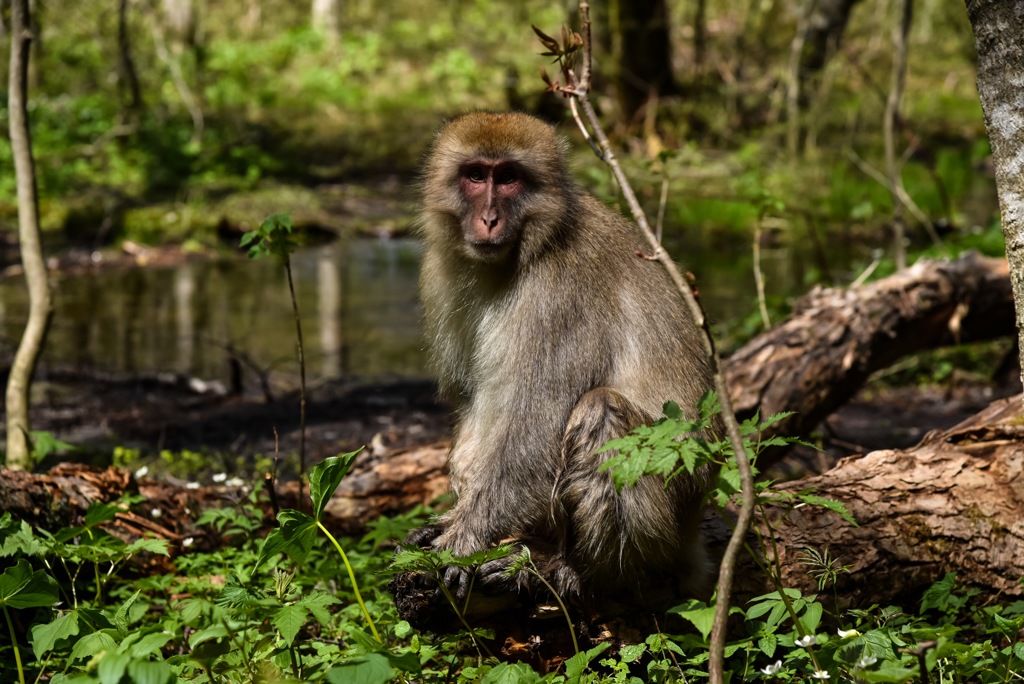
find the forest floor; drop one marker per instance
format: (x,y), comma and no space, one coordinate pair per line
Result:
(151,414)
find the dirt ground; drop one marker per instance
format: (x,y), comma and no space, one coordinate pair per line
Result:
(154,413)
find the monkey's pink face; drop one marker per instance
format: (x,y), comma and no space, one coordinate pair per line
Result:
(493,192)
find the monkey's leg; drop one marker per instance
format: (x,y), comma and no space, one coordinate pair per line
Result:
(616,541)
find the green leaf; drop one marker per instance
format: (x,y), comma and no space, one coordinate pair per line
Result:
(316,603)
(150,644)
(149,672)
(44,637)
(295,537)
(22,588)
(632,652)
(44,444)
(938,595)
(16,538)
(208,651)
(325,477)
(100,512)
(239,593)
(402,629)
(121,616)
(671,410)
(148,544)
(112,668)
(93,644)
(511,673)
(372,668)
(217,631)
(889,673)
(812,617)
(289,620)
(699,614)
(708,405)
(830,504)
(575,666)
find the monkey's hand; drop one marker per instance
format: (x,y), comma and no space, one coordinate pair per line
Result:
(424,537)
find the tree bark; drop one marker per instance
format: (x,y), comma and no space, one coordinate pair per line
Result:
(642,53)
(19,448)
(953,503)
(818,358)
(326,19)
(900,41)
(128,78)
(826,23)
(998,26)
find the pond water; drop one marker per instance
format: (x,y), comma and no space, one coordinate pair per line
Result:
(357,298)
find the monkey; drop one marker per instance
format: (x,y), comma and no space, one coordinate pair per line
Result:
(551,336)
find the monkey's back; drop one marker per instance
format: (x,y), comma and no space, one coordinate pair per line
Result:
(632,310)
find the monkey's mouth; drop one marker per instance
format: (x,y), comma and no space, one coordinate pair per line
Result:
(488,250)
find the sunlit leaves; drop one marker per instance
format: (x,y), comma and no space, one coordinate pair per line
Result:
(272,237)
(325,477)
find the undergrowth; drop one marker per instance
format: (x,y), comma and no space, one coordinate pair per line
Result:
(301,605)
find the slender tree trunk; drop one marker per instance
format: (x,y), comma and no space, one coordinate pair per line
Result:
(700,34)
(643,53)
(900,36)
(40,300)
(128,79)
(998,26)
(326,19)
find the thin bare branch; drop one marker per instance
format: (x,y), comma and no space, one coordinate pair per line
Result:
(578,88)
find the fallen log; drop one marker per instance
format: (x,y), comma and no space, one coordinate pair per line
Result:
(953,503)
(818,358)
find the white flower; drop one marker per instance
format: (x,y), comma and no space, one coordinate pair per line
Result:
(188,541)
(156,513)
(806,641)
(141,472)
(220,477)
(192,485)
(235,482)
(820,674)
(847,633)
(866,660)
(773,668)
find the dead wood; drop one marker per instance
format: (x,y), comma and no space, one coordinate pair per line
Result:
(818,358)
(953,503)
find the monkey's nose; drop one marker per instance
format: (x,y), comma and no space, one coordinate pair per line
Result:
(490,219)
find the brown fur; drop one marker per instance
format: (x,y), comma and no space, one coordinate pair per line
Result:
(550,349)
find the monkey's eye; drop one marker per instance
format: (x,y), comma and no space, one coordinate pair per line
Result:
(505,176)
(476,174)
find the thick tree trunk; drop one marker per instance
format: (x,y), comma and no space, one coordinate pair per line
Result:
(19,447)
(998,26)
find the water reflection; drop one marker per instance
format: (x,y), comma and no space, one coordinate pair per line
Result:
(360,314)
(358,301)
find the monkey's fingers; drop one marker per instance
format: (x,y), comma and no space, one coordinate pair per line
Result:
(460,582)
(423,537)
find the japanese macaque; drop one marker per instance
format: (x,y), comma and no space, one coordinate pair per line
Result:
(552,336)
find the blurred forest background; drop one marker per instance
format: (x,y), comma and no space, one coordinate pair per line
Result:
(774,133)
